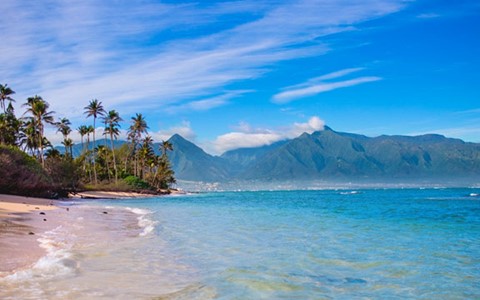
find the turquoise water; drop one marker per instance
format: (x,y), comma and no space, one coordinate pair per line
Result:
(331,244)
(379,244)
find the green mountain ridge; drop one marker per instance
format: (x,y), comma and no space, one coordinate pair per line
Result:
(190,162)
(331,155)
(328,155)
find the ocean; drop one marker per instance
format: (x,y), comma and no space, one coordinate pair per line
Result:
(326,244)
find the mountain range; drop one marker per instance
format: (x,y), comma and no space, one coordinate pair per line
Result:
(331,156)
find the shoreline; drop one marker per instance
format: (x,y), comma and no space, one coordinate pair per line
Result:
(25,220)
(108,195)
(22,221)
(120,195)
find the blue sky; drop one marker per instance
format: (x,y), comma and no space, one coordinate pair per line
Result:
(229,74)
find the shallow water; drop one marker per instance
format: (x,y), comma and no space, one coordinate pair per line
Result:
(413,243)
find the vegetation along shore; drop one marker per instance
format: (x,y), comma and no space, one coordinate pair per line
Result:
(32,166)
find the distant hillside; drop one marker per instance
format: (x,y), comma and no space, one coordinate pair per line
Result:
(192,163)
(244,157)
(331,155)
(328,155)
(77,148)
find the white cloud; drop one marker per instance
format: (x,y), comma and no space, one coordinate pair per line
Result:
(183,129)
(72,52)
(313,124)
(235,140)
(251,137)
(317,85)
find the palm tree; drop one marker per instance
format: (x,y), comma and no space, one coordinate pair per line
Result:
(89,131)
(68,143)
(63,126)
(137,128)
(5,93)
(95,109)
(52,153)
(145,154)
(166,146)
(112,120)
(163,174)
(28,136)
(9,127)
(38,108)
(102,161)
(82,130)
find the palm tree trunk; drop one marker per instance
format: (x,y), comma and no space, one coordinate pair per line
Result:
(83,152)
(66,148)
(89,163)
(114,160)
(40,137)
(106,156)
(94,166)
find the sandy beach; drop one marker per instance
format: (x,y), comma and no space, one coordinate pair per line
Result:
(22,219)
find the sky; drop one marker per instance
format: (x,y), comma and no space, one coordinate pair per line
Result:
(233,74)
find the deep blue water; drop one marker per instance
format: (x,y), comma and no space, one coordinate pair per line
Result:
(376,244)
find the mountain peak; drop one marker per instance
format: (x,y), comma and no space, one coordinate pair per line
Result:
(327,128)
(176,136)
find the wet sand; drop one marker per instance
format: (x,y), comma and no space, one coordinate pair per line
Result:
(22,219)
(108,195)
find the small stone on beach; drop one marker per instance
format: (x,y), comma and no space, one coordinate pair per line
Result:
(105,212)
(42,213)
(44,220)
(31,233)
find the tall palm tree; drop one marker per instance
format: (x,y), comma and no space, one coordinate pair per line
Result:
(63,126)
(95,109)
(112,120)
(137,128)
(5,93)
(82,130)
(9,127)
(38,108)
(145,154)
(163,173)
(29,136)
(89,131)
(68,143)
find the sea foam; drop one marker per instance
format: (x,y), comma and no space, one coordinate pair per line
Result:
(147,224)
(58,262)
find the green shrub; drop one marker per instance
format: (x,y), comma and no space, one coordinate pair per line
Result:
(20,174)
(136,182)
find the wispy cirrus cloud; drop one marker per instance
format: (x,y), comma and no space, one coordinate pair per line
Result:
(428,16)
(320,84)
(154,54)
(206,104)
